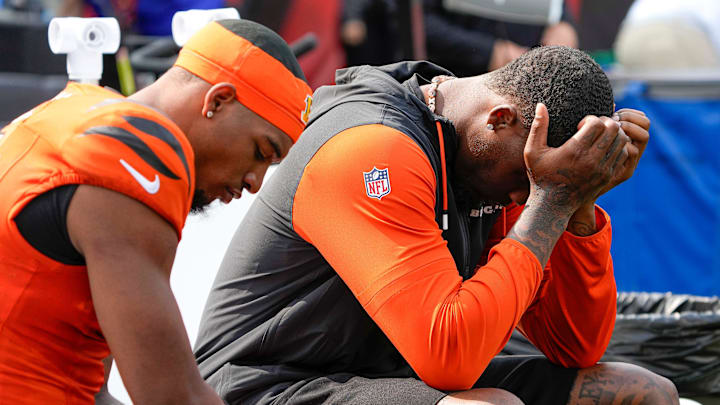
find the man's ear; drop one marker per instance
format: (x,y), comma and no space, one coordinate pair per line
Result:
(219,95)
(502,116)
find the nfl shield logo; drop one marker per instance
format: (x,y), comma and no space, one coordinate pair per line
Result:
(377,183)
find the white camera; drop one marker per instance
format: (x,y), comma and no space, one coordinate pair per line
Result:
(84,40)
(186,23)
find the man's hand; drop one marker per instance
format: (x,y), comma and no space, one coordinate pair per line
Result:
(635,125)
(578,171)
(564,179)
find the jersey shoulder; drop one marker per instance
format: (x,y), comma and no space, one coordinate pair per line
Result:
(375,173)
(137,151)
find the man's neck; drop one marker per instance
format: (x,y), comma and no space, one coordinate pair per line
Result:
(166,99)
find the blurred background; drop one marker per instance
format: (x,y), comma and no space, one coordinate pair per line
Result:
(662,56)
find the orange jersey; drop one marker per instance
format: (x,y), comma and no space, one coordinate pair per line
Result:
(51,345)
(386,246)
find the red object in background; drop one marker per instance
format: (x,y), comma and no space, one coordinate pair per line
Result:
(321,17)
(575,6)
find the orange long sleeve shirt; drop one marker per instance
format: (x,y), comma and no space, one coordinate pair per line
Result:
(391,254)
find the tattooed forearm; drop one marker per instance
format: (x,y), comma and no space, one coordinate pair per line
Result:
(538,228)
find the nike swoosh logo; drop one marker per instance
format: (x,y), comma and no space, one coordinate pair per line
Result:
(151,187)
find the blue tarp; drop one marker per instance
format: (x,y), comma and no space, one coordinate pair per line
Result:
(666,219)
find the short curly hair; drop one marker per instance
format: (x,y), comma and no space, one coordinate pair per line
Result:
(566,80)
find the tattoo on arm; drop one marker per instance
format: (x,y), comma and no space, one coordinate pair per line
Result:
(580,228)
(583,221)
(539,228)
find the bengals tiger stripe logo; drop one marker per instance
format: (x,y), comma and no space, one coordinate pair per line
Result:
(305,115)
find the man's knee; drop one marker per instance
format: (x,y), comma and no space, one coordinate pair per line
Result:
(481,396)
(620,383)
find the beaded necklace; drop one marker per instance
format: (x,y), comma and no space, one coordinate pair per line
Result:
(432,91)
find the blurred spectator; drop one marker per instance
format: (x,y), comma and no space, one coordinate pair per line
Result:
(369,31)
(293,19)
(468,45)
(321,17)
(670,34)
(270,13)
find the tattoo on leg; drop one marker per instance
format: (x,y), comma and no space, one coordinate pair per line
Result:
(609,386)
(593,386)
(628,400)
(653,386)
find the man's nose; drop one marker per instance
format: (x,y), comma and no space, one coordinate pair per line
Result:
(254,179)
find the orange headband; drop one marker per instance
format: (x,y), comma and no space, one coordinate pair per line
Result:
(264,84)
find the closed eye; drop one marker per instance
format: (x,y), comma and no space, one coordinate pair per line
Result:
(269,151)
(276,149)
(258,153)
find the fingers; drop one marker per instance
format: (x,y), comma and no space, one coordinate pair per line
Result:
(589,129)
(633,151)
(635,124)
(617,141)
(621,158)
(636,117)
(597,131)
(618,148)
(604,138)
(638,135)
(626,162)
(537,139)
(631,110)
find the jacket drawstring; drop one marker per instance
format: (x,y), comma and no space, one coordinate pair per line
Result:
(444,177)
(432,92)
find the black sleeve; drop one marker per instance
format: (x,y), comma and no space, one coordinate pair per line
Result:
(43,225)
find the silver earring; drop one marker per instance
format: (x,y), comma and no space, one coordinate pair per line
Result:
(209,114)
(490,127)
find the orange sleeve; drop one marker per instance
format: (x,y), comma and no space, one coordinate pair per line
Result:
(137,154)
(573,320)
(390,252)
(572,317)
